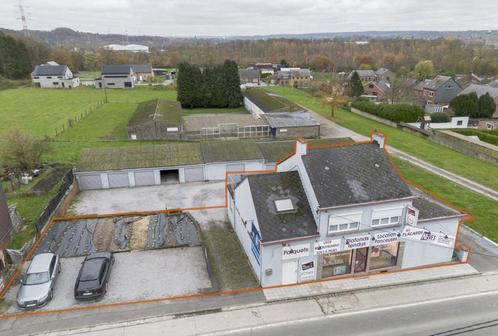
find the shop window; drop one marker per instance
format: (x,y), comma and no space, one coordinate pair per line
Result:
(336,264)
(383,256)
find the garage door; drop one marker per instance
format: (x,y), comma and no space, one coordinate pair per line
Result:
(194,174)
(118,180)
(144,178)
(89,182)
(235,167)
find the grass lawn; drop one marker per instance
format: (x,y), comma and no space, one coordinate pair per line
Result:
(484,209)
(321,76)
(474,169)
(88,75)
(213,110)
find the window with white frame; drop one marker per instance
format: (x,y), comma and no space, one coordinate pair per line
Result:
(386,216)
(344,222)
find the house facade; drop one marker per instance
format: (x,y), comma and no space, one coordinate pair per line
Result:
(53,75)
(337,211)
(440,90)
(378,88)
(365,75)
(384,74)
(143,72)
(249,77)
(295,77)
(116,76)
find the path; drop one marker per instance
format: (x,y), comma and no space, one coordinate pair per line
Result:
(330,129)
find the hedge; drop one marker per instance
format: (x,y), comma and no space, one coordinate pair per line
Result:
(396,112)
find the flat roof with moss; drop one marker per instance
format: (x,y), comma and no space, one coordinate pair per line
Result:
(269,102)
(230,150)
(160,110)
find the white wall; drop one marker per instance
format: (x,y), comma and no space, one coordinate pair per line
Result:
(452,124)
(252,108)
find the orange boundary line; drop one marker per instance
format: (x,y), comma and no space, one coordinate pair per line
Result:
(238,291)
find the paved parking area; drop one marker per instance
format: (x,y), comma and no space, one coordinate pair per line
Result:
(168,196)
(136,275)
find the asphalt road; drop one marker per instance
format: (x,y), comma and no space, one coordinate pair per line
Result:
(472,315)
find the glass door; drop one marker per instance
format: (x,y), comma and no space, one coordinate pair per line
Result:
(360,261)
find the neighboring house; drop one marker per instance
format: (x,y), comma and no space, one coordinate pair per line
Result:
(482,90)
(378,88)
(53,75)
(295,77)
(249,77)
(383,74)
(487,124)
(440,90)
(116,76)
(466,80)
(143,72)
(365,75)
(264,68)
(331,211)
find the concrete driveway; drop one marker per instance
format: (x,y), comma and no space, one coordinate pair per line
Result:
(168,196)
(136,275)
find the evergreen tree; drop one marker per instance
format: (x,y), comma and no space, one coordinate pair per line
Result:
(466,105)
(356,85)
(183,88)
(14,58)
(232,84)
(487,106)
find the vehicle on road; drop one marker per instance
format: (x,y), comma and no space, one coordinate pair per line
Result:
(37,285)
(94,276)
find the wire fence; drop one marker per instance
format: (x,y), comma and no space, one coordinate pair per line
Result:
(73,121)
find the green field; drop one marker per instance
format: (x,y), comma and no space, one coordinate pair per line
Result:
(484,209)
(474,169)
(88,75)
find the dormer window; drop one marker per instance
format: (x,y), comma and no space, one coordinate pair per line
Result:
(386,217)
(284,205)
(346,222)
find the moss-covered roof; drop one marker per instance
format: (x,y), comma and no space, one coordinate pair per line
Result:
(230,150)
(268,102)
(160,110)
(165,155)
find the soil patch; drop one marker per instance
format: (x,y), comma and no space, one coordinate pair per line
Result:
(48,182)
(139,233)
(103,234)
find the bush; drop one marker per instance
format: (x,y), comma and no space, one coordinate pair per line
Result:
(440,117)
(396,112)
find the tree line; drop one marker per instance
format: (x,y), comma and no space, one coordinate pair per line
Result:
(15,61)
(210,87)
(473,106)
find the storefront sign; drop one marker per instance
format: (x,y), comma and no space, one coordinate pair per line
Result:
(357,242)
(256,243)
(308,271)
(426,236)
(411,216)
(383,238)
(295,251)
(327,246)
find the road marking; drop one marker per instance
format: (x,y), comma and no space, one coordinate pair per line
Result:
(339,315)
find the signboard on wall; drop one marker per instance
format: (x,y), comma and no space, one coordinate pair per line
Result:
(426,236)
(295,251)
(383,238)
(357,242)
(256,243)
(327,246)
(411,215)
(308,271)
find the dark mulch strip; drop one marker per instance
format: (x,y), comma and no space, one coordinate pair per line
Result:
(49,181)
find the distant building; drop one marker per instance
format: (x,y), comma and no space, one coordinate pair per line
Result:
(53,75)
(365,75)
(143,72)
(295,77)
(249,77)
(466,80)
(440,90)
(127,47)
(386,75)
(117,76)
(378,88)
(264,68)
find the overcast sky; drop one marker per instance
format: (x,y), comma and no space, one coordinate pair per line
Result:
(254,17)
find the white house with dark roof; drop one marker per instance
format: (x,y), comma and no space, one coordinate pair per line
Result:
(53,75)
(337,211)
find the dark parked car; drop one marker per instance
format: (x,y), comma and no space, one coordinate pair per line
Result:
(93,276)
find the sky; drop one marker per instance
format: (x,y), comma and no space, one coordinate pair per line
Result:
(255,17)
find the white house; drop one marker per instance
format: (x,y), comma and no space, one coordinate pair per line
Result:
(53,75)
(336,211)
(116,76)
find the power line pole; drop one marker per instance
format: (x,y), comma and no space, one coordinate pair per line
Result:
(23,19)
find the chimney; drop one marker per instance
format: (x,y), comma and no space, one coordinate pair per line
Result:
(301,147)
(379,139)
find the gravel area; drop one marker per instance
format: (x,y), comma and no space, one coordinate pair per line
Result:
(136,276)
(169,196)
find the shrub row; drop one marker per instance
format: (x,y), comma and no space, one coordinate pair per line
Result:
(396,112)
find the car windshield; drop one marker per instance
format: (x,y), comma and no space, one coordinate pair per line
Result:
(91,269)
(36,278)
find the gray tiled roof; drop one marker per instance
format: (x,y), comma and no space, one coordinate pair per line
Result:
(141,68)
(430,209)
(480,90)
(363,73)
(435,83)
(353,174)
(290,119)
(265,189)
(50,70)
(116,69)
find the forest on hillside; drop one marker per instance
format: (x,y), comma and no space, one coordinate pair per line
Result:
(449,56)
